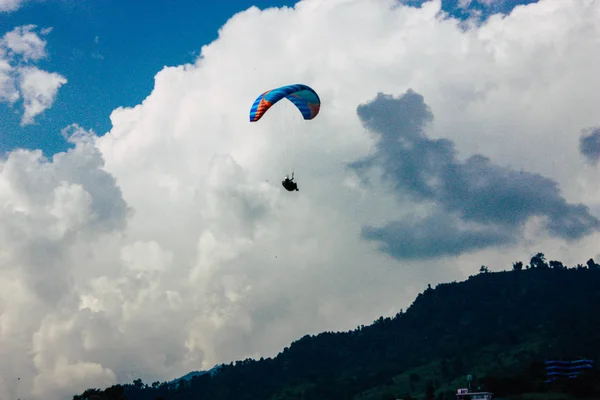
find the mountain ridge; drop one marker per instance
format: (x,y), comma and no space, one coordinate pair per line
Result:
(502,325)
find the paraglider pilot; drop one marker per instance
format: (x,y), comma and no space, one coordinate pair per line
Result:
(289,184)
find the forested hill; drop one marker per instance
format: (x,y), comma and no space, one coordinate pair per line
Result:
(499,326)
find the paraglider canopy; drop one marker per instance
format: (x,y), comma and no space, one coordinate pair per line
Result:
(304,98)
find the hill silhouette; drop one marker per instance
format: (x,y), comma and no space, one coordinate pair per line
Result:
(498,326)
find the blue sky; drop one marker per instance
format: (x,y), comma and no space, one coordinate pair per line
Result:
(109,51)
(486,8)
(134,43)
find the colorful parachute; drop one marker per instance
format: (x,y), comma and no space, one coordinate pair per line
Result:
(303,97)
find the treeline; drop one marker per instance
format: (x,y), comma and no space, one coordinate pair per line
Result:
(503,324)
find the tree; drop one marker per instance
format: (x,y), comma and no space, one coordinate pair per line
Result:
(592,265)
(556,265)
(445,370)
(412,379)
(430,392)
(483,269)
(518,266)
(538,261)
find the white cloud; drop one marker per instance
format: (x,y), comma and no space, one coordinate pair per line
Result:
(199,256)
(8,91)
(96,54)
(10,5)
(39,89)
(20,79)
(24,42)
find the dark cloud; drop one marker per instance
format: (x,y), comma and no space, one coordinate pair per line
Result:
(495,199)
(589,145)
(434,236)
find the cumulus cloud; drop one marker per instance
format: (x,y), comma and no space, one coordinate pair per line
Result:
(168,245)
(8,90)
(51,210)
(20,79)
(10,5)
(589,145)
(23,42)
(498,199)
(39,89)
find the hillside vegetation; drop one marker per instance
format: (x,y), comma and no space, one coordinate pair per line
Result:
(500,327)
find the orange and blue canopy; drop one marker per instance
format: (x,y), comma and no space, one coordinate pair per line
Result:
(304,98)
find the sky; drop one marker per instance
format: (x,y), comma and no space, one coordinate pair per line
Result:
(144,232)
